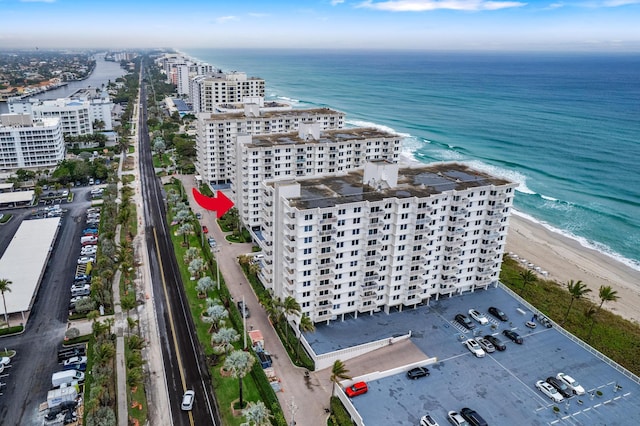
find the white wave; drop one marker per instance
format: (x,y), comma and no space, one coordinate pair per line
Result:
(584,242)
(291,100)
(546,197)
(510,175)
(382,127)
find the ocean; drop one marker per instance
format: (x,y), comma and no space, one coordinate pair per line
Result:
(566,127)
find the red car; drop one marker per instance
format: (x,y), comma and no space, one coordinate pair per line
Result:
(356,389)
(205,229)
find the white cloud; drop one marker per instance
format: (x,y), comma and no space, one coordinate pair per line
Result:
(259,15)
(225,19)
(336,2)
(427,5)
(617,3)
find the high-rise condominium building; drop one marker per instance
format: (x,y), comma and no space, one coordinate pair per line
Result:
(216,134)
(383,237)
(307,152)
(26,143)
(208,91)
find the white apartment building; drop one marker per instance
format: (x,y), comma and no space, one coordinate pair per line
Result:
(309,152)
(26,143)
(383,237)
(77,115)
(208,91)
(216,134)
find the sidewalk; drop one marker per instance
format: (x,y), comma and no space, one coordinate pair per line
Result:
(300,398)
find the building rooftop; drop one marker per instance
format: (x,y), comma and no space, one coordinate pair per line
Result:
(270,114)
(326,136)
(413,181)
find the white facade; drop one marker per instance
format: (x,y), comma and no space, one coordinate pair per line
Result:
(383,237)
(26,143)
(310,152)
(77,115)
(208,91)
(216,134)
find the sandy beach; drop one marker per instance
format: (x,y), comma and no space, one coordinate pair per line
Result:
(565,259)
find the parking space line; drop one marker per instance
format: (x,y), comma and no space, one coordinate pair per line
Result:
(586,409)
(535,392)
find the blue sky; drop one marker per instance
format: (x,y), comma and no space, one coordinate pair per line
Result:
(573,25)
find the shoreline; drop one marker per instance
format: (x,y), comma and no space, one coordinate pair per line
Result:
(566,259)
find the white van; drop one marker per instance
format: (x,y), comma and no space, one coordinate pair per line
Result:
(66,378)
(88,239)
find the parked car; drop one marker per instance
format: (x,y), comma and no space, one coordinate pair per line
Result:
(79,367)
(198,215)
(356,389)
(187,400)
(465,322)
(456,419)
(80,285)
(513,336)
(472,417)
(474,348)
(427,420)
(88,250)
(496,342)
(75,360)
(90,230)
(549,391)
(211,241)
(498,314)
(244,311)
(86,259)
(571,383)
(560,386)
(416,373)
(5,360)
(478,317)
(544,321)
(486,345)
(205,229)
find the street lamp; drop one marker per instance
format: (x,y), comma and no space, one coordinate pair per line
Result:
(215,251)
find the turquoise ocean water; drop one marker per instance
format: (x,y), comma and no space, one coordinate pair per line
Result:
(566,127)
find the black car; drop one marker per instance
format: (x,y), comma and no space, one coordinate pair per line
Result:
(472,417)
(499,344)
(416,373)
(465,322)
(244,311)
(498,314)
(513,336)
(560,387)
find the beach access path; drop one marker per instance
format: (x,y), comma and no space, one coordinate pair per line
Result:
(566,259)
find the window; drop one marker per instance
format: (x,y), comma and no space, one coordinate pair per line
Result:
(308,228)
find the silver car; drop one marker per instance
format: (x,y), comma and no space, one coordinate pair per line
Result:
(486,345)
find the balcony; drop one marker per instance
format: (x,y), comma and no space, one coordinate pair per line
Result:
(372,285)
(330,264)
(290,237)
(378,213)
(373,258)
(324,244)
(369,295)
(454,260)
(494,226)
(328,220)
(327,232)
(290,249)
(323,317)
(450,281)
(485,273)
(324,297)
(459,212)
(413,292)
(423,221)
(371,278)
(463,201)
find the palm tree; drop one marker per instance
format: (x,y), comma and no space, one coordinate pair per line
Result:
(590,313)
(338,372)
(196,267)
(190,254)
(607,294)
(527,277)
(5,287)
(224,339)
(128,302)
(257,414)
(576,290)
(290,307)
(214,315)
(185,229)
(305,326)
(204,285)
(239,363)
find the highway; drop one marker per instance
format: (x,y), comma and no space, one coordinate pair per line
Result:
(184,362)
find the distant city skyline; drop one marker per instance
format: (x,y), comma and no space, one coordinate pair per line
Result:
(554,25)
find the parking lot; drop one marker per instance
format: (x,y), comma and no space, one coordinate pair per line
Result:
(500,386)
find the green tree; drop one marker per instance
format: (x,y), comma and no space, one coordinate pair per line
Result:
(196,267)
(576,290)
(338,372)
(239,363)
(305,326)
(290,307)
(224,338)
(215,315)
(185,230)
(590,313)
(205,284)
(527,277)
(5,287)
(607,294)
(257,414)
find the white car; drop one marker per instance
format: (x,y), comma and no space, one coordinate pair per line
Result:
(478,317)
(88,250)
(571,383)
(187,400)
(456,419)
(474,348)
(486,345)
(5,360)
(549,390)
(75,360)
(427,420)
(85,259)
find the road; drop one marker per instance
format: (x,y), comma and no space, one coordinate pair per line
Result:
(184,361)
(29,377)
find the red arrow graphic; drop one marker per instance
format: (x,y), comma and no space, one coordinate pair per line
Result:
(220,204)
